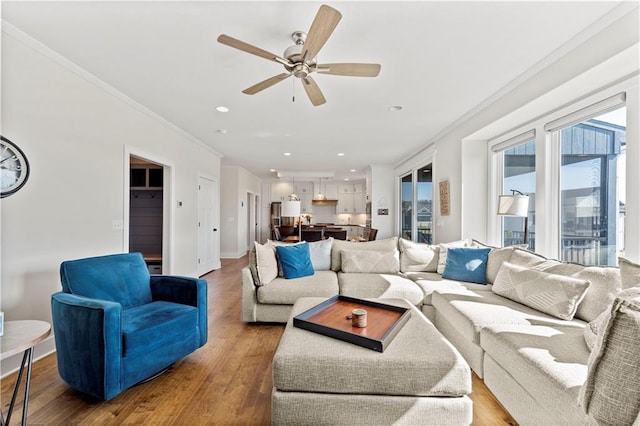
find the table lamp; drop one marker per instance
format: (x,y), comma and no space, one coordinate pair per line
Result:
(516,204)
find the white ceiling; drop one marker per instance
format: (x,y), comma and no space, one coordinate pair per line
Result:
(439,61)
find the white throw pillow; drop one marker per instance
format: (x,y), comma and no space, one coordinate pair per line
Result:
(370,261)
(418,257)
(594,329)
(266,263)
(442,258)
(320,253)
(553,294)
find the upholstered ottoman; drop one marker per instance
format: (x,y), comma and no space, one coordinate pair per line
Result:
(420,378)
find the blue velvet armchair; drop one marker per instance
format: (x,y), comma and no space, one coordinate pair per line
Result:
(115,325)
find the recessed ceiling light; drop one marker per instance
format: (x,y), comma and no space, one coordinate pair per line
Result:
(287,153)
(222,109)
(222,131)
(341,154)
(395,108)
(352,170)
(272,170)
(346,178)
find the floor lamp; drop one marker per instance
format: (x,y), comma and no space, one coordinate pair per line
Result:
(516,204)
(291,208)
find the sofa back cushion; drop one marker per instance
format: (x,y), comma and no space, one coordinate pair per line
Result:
(122,278)
(611,394)
(266,267)
(442,255)
(370,261)
(386,245)
(553,294)
(497,256)
(418,257)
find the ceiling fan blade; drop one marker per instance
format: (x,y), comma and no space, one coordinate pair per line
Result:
(265,84)
(323,25)
(313,91)
(353,70)
(246,47)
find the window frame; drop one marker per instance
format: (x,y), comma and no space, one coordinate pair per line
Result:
(548,159)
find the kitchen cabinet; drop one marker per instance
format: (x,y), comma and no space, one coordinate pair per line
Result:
(306,207)
(331,191)
(302,188)
(351,198)
(280,191)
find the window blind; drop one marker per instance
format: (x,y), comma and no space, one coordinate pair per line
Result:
(523,137)
(599,108)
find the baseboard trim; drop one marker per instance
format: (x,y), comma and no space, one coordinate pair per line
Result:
(12,364)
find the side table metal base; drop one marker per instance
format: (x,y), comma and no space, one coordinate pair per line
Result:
(27,361)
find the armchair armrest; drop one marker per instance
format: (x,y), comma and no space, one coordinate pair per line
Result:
(88,338)
(185,290)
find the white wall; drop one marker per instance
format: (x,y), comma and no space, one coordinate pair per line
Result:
(575,58)
(383,193)
(74,130)
(236,183)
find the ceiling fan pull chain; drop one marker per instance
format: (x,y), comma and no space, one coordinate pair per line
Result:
(293,85)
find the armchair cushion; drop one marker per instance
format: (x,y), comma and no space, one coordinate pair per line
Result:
(122,278)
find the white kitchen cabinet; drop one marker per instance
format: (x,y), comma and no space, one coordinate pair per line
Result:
(331,191)
(302,188)
(306,207)
(359,188)
(280,191)
(359,202)
(345,188)
(345,203)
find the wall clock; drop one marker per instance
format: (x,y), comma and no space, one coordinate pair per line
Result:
(14,167)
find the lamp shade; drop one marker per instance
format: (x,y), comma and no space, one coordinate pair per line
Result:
(290,209)
(513,205)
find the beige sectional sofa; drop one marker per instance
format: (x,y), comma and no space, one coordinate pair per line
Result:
(523,331)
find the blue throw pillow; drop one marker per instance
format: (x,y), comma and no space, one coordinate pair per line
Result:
(467,264)
(295,260)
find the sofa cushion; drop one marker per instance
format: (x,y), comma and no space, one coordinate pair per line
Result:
(418,257)
(467,264)
(156,324)
(471,311)
(282,291)
(549,361)
(370,261)
(629,272)
(497,256)
(604,284)
(432,281)
(389,244)
(266,263)
(295,260)
(442,255)
(557,295)
(379,286)
(611,393)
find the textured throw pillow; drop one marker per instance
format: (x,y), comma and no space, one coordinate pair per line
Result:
(266,264)
(611,394)
(370,261)
(320,253)
(295,260)
(442,257)
(467,264)
(629,272)
(594,329)
(523,257)
(553,294)
(388,245)
(418,257)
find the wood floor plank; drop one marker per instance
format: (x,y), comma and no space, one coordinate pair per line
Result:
(227,382)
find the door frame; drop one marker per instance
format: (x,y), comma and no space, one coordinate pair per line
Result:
(167,203)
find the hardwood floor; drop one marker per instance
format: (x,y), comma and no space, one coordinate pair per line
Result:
(228,381)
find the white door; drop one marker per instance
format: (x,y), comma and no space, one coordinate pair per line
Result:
(207,228)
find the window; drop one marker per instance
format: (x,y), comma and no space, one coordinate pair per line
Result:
(406,206)
(416,210)
(519,176)
(592,189)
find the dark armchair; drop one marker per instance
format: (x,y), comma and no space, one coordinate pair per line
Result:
(115,325)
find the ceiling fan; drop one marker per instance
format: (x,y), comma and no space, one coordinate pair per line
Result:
(300,60)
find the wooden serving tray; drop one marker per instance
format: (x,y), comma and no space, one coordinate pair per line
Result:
(330,318)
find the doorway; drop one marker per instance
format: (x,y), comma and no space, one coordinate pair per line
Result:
(207,226)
